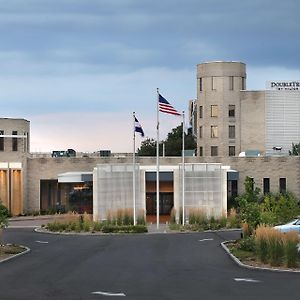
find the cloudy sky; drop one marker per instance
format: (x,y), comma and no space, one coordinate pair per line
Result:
(77,69)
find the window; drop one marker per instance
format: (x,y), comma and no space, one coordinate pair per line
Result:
(213,83)
(214,110)
(231,131)
(200,151)
(243,83)
(201,132)
(200,112)
(14,142)
(214,131)
(231,150)
(200,84)
(282,185)
(231,111)
(214,150)
(231,83)
(266,186)
(1,140)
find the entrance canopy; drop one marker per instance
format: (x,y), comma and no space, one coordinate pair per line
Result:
(72,177)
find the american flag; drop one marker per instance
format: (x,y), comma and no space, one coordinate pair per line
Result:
(166,107)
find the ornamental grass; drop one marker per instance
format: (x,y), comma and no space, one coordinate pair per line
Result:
(291,240)
(275,247)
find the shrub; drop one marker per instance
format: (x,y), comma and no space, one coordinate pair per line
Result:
(197,216)
(4,214)
(276,247)
(173,216)
(232,219)
(141,220)
(261,243)
(247,244)
(223,222)
(97,226)
(291,240)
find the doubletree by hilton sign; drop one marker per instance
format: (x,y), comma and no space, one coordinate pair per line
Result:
(283,85)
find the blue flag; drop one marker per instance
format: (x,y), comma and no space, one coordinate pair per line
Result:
(138,127)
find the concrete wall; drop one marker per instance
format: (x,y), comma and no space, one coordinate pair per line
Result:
(253,121)
(256,167)
(217,90)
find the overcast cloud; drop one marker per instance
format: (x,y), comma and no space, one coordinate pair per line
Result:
(77,69)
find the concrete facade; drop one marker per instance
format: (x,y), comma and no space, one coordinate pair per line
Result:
(231,120)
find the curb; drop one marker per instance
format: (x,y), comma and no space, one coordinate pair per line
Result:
(16,255)
(239,263)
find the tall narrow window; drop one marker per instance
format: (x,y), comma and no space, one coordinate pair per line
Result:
(214,131)
(231,111)
(266,186)
(14,142)
(231,150)
(282,185)
(214,110)
(200,112)
(231,83)
(243,83)
(214,150)
(1,140)
(213,83)
(231,131)
(201,84)
(200,151)
(201,132)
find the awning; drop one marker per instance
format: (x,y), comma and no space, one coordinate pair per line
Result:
(71,177)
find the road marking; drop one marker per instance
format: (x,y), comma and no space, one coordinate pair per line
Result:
(109,294)
(203,240)
(42,242)
(246,280)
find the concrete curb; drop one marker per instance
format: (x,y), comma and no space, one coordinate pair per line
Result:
(16,255)
(239,263)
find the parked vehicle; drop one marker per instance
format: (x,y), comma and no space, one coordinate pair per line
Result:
(291,226)
(63,153)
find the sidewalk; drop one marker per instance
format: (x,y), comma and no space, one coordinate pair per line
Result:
(37,221)
(30,221)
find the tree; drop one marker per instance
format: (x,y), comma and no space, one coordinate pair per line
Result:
(248,204)
(295,149)
(173,144)
(148,148)
(3,218)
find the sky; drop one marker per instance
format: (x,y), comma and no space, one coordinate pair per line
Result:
(77,69)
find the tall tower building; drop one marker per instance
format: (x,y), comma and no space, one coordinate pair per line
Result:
(218,108)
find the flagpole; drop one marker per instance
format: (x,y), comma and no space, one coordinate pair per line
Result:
(183,171)
(133,181)
(157,164)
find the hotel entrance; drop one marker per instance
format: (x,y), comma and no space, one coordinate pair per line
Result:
(166,196)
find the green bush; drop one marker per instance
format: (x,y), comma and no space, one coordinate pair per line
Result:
(261,243)
(291,241)
(4,215)
(141,220)
(97,226)
(247,244)
(276,250)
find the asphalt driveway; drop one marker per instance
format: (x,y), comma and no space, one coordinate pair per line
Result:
(146,266)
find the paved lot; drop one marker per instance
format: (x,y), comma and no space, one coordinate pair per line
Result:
(147,266)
